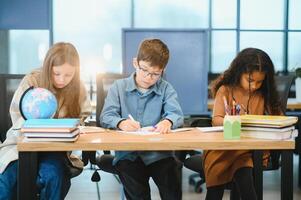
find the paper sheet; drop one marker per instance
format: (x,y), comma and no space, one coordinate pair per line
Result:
(91,129)
(211,129)
(148,131)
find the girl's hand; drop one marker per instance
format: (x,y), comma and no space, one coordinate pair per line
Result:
(164,126)
(129,125)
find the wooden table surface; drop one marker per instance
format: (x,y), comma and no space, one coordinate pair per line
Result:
(194,139)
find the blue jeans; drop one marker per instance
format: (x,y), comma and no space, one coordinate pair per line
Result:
(52,181)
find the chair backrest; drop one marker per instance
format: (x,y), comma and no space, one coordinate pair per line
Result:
(8,85)
(103,83)
(283,85)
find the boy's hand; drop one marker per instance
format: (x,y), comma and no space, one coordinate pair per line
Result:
(164,126)
(129,125)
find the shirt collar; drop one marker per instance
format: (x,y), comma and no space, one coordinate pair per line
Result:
(131,86)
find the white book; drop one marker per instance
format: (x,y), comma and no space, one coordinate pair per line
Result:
(51,135)
(270,135)
(253,128)
(50,139)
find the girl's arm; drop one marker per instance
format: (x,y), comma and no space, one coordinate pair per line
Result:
(219,107)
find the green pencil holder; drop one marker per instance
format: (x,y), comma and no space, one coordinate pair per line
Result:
(232,127)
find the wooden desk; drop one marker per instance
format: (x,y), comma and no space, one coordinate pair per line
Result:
(292,104)
(177,141)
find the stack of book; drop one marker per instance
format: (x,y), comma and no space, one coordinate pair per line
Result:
(48,130)
(269,127)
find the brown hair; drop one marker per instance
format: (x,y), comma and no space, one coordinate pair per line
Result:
(59,54)
(247,61)
(153,51)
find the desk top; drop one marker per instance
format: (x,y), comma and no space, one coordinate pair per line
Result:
(189,140)
(292,104)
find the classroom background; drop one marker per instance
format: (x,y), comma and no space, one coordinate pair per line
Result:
(98,27)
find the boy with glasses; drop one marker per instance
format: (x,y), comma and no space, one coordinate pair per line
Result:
(152,102)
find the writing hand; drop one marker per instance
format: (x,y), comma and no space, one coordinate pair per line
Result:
(129,125)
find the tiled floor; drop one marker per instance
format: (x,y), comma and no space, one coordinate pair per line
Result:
(109,188)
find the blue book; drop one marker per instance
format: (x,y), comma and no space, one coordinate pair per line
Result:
(51,123)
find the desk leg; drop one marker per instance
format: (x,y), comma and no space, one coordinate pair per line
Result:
(299,171)
(257,170)
(27,175)
(287,174)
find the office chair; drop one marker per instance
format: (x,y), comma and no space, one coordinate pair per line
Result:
(8,85)
(193,162)
(104,162)
(283,85)
(103,82)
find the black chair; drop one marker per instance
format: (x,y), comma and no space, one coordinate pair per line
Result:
(8,85)
(103,83)
(193,162)
(104,162)
(283,85)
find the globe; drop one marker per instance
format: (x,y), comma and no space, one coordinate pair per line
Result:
(38,103)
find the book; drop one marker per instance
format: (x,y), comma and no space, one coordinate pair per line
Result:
(47,130)
(270,134)
(50,139)
(267,129)
(52,134)
(51,123)
(268,120)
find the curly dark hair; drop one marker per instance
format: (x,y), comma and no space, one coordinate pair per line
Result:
(248,61)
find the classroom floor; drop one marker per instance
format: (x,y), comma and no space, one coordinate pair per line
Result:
(109,188)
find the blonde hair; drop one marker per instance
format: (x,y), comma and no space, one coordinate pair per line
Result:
(59,54)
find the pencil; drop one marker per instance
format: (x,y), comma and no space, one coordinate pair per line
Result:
(226,105)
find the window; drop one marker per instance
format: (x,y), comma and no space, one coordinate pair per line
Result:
(258,14)
(171,14)
(94,27)
(270,42)
(27,49)
(224,13)
(294,51)
(294,14)
(223,50)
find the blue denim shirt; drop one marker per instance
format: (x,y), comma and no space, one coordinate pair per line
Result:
(159,102)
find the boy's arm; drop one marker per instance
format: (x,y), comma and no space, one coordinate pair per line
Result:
(171,108)
(110,116)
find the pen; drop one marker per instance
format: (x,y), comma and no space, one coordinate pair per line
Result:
(131,117)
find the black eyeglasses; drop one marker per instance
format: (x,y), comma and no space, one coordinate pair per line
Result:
(146,73)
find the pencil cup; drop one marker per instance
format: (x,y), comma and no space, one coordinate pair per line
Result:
(232,126)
